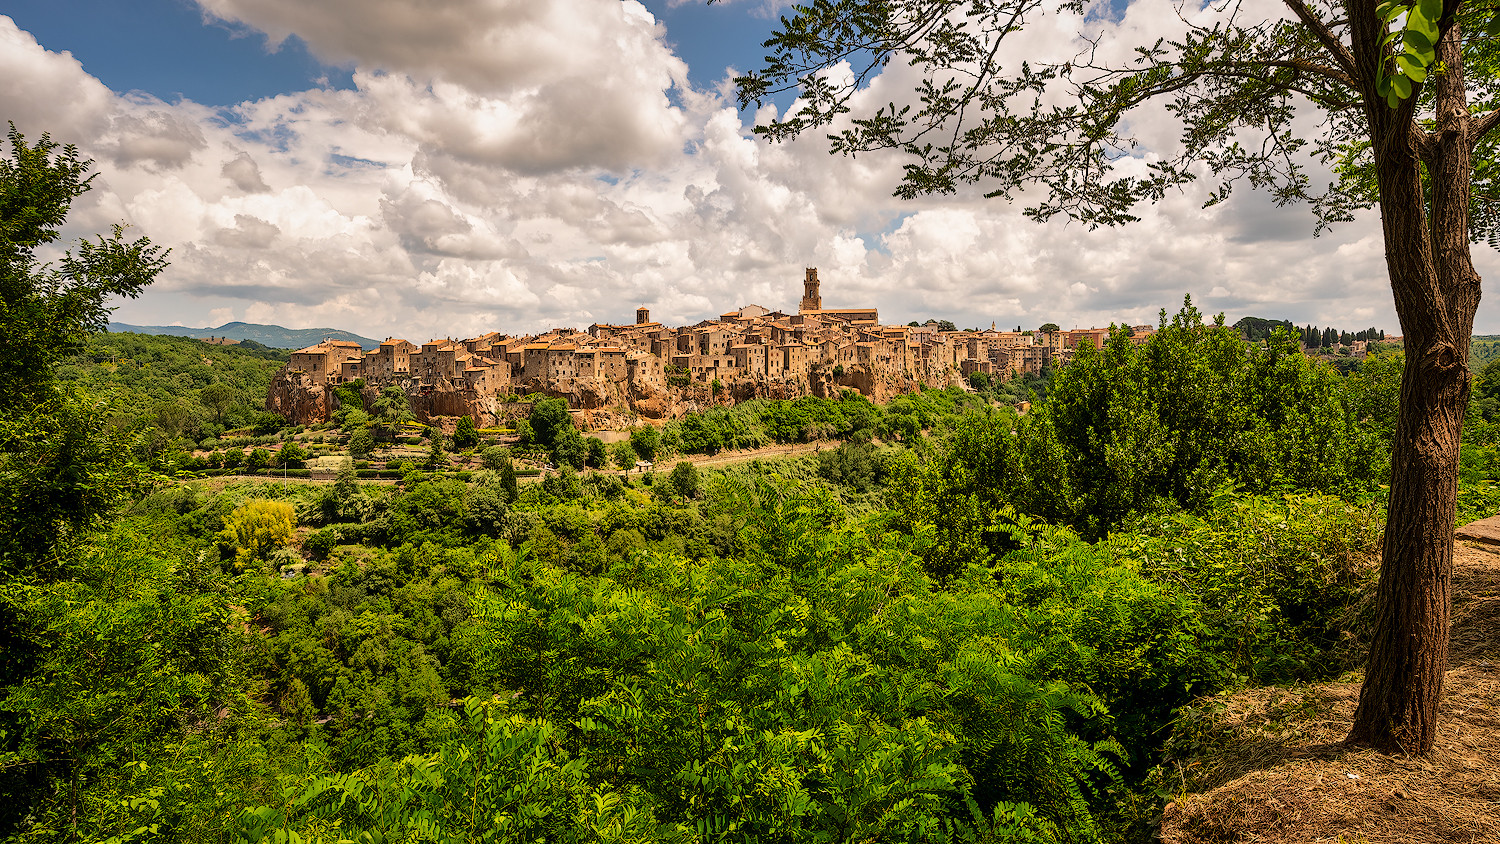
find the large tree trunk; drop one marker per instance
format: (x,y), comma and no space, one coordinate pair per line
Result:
(1437,293)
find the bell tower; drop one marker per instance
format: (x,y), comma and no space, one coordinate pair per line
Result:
(642,315)
(811,301)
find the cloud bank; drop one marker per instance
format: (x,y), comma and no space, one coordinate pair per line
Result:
(512,165)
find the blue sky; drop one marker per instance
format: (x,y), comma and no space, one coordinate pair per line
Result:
(519,164)
(166,47)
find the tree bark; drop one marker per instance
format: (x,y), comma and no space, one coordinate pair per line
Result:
(1437,293)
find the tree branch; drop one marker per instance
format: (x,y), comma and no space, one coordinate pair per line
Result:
(1483,124)
(1325,36)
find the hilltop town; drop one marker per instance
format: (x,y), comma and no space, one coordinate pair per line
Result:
(657,371)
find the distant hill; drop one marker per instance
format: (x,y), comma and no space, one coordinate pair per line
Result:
(269,335)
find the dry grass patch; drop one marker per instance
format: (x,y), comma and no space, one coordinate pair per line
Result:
(1269,764)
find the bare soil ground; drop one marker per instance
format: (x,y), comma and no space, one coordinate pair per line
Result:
(1277,771)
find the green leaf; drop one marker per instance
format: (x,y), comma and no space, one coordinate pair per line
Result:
(1413,69)
(1419,43)
(1418,22)
(1492,28)
(1401,86)
(1432,10)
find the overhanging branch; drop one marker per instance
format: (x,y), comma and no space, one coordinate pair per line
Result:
(1325,36)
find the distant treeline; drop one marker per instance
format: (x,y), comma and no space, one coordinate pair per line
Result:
(1256,328)
(1482,350)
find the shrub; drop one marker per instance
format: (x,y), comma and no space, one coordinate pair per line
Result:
(258,527)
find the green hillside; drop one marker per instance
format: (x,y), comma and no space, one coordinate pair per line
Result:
(1483,349)
(181,387)
(274,336)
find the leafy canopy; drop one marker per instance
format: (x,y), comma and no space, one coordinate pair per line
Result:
(991,111)
(46,311)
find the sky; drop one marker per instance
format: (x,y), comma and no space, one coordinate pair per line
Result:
(425,170)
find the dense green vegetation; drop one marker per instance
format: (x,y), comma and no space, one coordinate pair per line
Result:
(185,390)
(960,624)
(1482,350)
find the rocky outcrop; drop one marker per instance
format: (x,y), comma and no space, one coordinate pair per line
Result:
(580,393)
(879,387)
(294,397)
(446,399)
(603,403)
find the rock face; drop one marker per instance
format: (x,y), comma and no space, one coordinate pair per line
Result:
(297,398)
(446,399)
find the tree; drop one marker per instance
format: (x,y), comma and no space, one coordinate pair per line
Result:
(257,459)
(292,455)
(623,454)
(46,312)
(437,458)
(1403,124)
(685,479)
(218,398)
(1048,327)
(597,453)
(391,407)
(570,449)
(549,419)
(465,435)
(258,527)
(60,470)
(646,441)
(361,443)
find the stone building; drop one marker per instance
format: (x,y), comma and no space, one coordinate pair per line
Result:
(752,349)
(324,362)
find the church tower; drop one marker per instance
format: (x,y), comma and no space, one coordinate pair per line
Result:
(811,301)
(642,315)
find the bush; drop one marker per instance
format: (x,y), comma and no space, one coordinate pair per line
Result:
(258,527)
